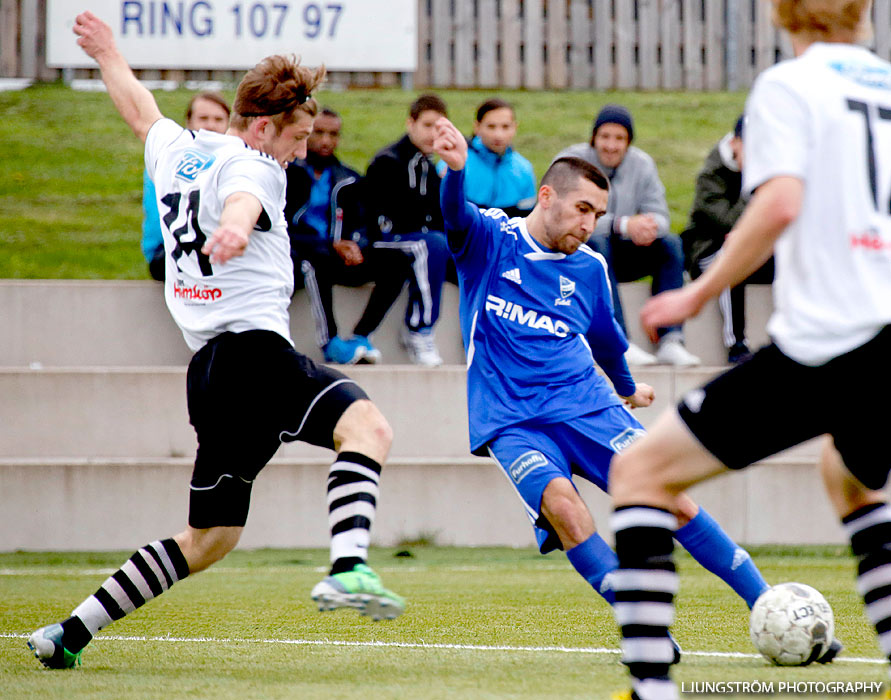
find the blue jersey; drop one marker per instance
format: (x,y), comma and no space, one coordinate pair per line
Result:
(532,321)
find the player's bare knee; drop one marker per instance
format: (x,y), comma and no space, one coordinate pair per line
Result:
(567,513)
(363,428)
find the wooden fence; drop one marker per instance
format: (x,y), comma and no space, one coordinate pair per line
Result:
(534,44)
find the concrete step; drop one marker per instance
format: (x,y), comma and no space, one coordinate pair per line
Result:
(65,323)
(67,504)
(133,412)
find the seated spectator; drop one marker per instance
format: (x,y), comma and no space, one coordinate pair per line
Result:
(327,227)
(402,188)
(634,235)
(717,205)
(206,110)
(496,176)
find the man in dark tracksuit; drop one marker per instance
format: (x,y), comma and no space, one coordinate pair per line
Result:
(327,226)
(402,189)
(717,205)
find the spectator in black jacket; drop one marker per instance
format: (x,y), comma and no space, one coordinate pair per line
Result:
(717,204)
(403,199)
(327,226)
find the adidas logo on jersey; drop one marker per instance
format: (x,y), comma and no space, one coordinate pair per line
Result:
(517,314)
(513,275)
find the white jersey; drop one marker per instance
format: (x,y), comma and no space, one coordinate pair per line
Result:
(825,117)
(194,173)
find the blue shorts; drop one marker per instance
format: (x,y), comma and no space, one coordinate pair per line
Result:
(534,454)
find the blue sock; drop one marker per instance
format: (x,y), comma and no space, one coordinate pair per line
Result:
(594,559)
(711,547)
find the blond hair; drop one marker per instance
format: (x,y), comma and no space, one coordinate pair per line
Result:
(277,87)
(824,18)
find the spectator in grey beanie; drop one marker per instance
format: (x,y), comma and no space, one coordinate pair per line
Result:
(634,236)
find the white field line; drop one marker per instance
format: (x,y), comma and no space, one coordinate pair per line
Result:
(424,645)
(60,571)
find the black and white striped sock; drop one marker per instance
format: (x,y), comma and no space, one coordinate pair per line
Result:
(352,501)
(147,574)
(869,529)
(644,585)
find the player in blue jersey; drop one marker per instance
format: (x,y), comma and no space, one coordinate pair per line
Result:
(535,307)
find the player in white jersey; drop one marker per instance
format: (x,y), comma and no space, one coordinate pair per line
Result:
(228,283)
(818,139)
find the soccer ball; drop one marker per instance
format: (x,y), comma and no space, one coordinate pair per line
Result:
(791,624)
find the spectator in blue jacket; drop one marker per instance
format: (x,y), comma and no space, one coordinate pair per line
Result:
(496,176)
(206,110)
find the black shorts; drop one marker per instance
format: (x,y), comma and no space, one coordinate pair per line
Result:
(771,403)
(247,393)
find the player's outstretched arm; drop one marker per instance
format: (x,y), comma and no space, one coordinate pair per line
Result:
(240,214)
(134,102)
(773,207)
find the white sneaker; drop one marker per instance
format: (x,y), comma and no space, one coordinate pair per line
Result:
(673,352)
(636,355)
(421,348)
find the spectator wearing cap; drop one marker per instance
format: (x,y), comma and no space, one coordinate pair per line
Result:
(634,234)
(717,204)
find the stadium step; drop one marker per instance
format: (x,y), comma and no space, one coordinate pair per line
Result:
(66,323)
(67,504)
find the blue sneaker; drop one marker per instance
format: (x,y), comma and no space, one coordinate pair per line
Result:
(343,352)
(46,643)
(372,354)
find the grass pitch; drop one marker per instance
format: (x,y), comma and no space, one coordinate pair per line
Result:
(480,623)
(71,181)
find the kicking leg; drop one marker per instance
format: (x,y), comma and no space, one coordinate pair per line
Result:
(151,571)
(707,542)
(362,439)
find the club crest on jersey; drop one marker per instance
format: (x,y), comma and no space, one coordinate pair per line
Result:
(625,438)
(192,163)
(567,289)
(525,463)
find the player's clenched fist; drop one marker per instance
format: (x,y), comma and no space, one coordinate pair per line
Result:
(641,398)
(94,35)
(450,144)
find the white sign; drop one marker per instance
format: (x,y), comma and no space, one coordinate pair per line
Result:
(355,35)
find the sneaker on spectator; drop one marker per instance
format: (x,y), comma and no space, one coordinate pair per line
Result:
(343,352)
(739,352)
(636,355)
(672,352)
(420,346)
(372,355)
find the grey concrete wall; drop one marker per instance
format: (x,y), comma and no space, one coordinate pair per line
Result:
(84,448)
(125,323)
(96,449)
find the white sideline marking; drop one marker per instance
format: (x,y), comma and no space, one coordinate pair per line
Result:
(56,571)
(422,645)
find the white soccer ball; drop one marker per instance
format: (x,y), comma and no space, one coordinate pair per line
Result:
(791,624)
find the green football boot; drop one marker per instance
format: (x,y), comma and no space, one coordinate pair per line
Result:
(361,589)
(46,643)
